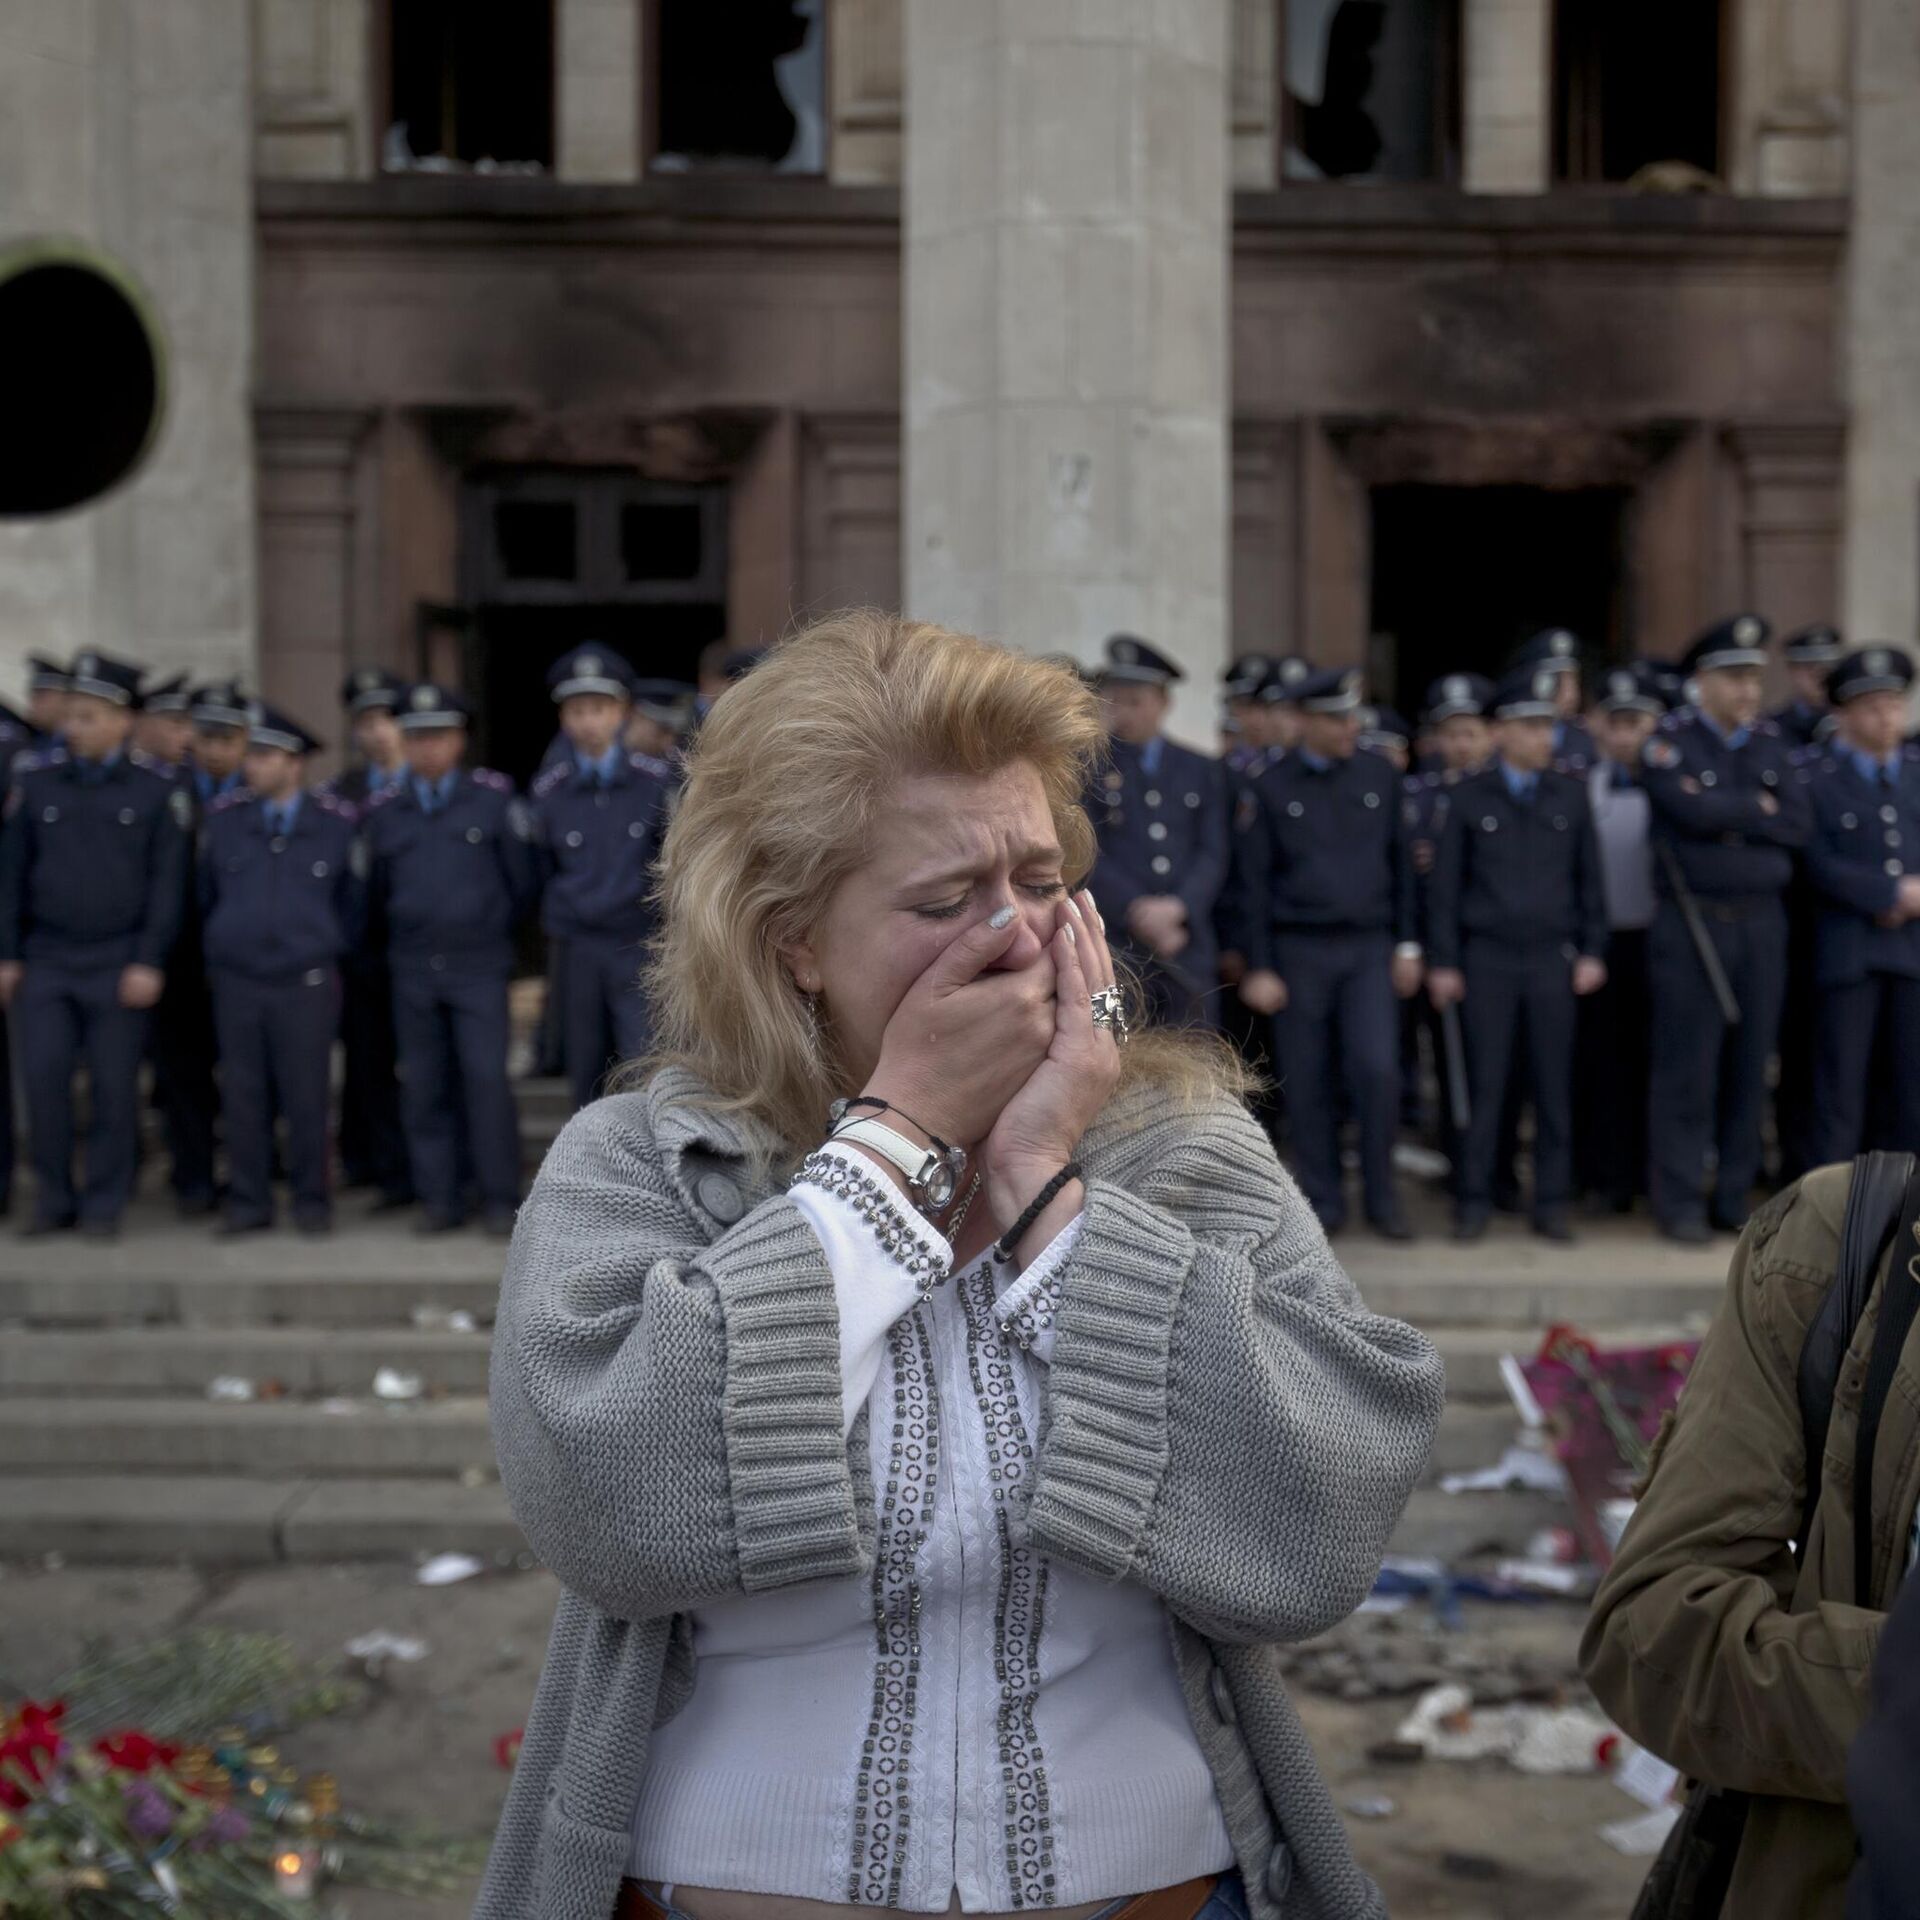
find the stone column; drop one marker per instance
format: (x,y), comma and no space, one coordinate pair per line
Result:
(129,124)
(1882,357)
(1066,263)
(597,89)
(1507,109)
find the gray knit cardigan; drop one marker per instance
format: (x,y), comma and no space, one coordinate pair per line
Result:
(1226,1424)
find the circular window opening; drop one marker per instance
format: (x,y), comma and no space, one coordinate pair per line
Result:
(81,378)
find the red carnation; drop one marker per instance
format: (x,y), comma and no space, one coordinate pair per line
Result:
(28,1742)
(506,1749)
(136,1752)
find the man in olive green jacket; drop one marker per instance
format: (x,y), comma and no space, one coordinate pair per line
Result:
(1707,1643)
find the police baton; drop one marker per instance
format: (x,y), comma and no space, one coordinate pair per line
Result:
(1458,1106)
(1697,932)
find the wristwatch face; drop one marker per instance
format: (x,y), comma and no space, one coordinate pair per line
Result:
(938,1183)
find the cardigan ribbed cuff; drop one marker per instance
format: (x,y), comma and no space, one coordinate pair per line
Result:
(793,1505)
(1105,1452)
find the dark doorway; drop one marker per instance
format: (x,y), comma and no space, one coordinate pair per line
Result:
(1463,575)
(555,558)
(1635,83)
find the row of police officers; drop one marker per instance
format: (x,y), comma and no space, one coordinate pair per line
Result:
(1618,908)
(174,887)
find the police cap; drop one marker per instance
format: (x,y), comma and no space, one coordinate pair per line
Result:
(269,727)
(1526,693)
(105,678)
(428,704)
(1329,690)
(45,675)
(1382,727)
(1869,670)
(219,703)
(1738,641)
(1245,677)
(1634,689)
(166,695)
(1132,661)
(368,687)
(1554,647)
(590,669)
(1454,694)
(1812,647)
(1283,683)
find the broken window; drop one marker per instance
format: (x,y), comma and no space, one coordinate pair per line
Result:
(1636,84)
(1372,90)
(740,85)
(470,84)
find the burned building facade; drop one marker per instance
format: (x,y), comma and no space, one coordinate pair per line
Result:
(1382,330)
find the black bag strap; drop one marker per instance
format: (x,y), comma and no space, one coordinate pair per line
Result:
(1898,1301)
(1875,1201)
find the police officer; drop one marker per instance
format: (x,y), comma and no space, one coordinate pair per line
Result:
(1240,688)
(1160,814)
(279,897)
(182,1041)
(373,1144)
(1864,862)
(659,719)
(599,819)
(1613,1051)
(164,732)
(1811,655)
(453,870)
(1518,929)
(1457,706)
(1805,723)
(1280,698)
(1384,732)
(1334,944)
(1728,815)
(1558,650)
(93,863)
(48,683)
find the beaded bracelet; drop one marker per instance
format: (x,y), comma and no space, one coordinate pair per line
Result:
(1004,1246)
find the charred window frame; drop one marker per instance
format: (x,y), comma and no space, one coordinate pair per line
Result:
(466,82)
(547,537)
(741,87)
(1369,91)
(1639,84)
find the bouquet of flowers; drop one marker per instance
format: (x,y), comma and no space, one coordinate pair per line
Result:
(130,1821)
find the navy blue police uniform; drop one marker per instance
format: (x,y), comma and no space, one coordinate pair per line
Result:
(599,826)
(16,738)
(1426,800)
(1865,847)
(1516,899)
(279,896)
(93,864)
(1160,815)
(1801,723)
(1613,1046)
(184,1043)
(1805,727)
(1339,897)
(452,872)
(1558,650)
(373,1143)
(1729,815)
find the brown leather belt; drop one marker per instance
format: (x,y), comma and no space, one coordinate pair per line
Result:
(1164,1903)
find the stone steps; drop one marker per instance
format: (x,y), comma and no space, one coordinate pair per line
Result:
(364,1436)
(97,1362)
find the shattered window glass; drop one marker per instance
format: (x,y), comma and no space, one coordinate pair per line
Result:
(1369,89)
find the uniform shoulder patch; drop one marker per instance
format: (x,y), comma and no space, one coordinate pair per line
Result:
(145,761)
(386,795)
(330,802)
(1660,754)
(226,802)
(487,777)
(556,775)
(1766,730)
(650,763)
(39,760)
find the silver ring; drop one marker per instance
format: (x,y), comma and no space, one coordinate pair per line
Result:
(1110,1011)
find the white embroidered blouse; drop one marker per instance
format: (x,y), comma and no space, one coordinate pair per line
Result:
(975,1716)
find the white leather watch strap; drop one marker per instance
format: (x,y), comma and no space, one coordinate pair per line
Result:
(892,1146)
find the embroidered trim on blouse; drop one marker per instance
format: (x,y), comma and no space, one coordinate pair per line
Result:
(882,1802)
(876,1205)
(1019,1616)
(1032,1315)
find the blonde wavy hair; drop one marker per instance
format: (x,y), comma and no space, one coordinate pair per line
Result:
(783,786)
